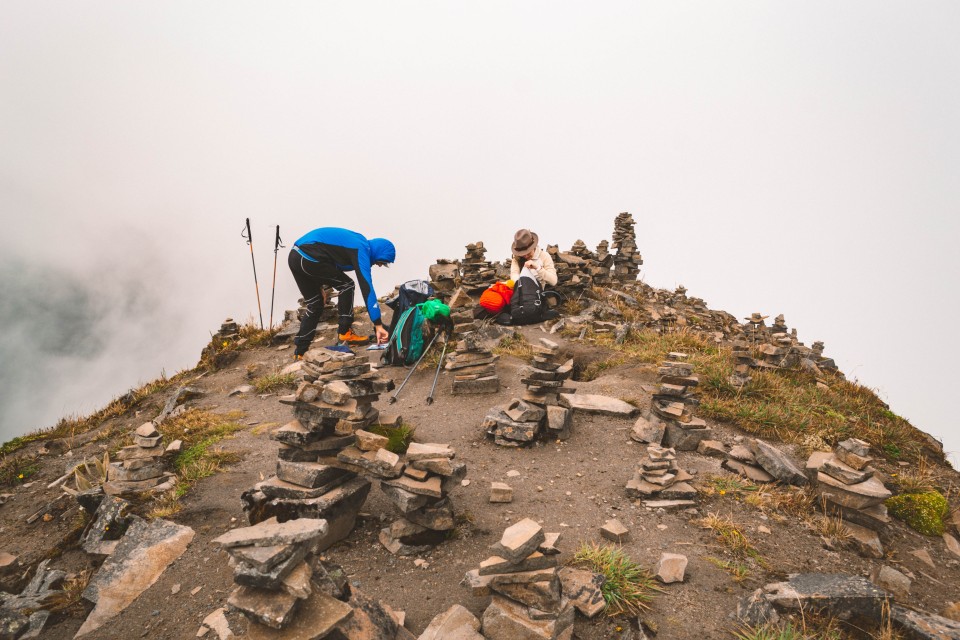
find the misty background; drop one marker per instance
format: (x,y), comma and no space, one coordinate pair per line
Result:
(793,157)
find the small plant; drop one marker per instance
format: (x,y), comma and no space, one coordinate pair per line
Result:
(923,512)
(772,632)
(628,588)
(398,438)
(833,528)
(273,381)
(729,535)
(86,476)
(68,598)
(737,570)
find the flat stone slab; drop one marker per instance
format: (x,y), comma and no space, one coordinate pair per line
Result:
(427,450)
(456,623)
(840,595)
(864,494)
(592,403)
(271,533)
(924,626)
(519,540)
(501,492)
(316,618)
(777,463)
(614,531)
(142,555)
(534,562)
(505,619)
(669,505)
(274,609)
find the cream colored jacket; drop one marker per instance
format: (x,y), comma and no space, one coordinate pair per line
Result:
(546,274)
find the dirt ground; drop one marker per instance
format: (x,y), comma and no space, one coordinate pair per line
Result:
(572,487)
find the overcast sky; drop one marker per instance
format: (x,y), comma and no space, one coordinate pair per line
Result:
(789,157)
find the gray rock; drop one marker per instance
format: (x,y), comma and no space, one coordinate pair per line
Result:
(519,540)
(456,623)
(924,626)
(591,403)
(891,580)
(405,501)
(272,608)
(671,568)
(310,474)
(777,463)
(583,589)
(649,431)
(508,620)
(755,610)
(272,578)
(144,553)
(840,595)
(271,533)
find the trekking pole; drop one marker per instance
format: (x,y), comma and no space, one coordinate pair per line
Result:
(437,375)
(396,393)
(248,235)
(273,287)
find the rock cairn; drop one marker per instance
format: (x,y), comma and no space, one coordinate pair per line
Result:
(229,330)
(474,367)
(848,488)
(670,420)
(521,421)
(325,449)
(420,494)
(445,276)
(658,475)
(286,591)
(627,261)
(477,273)
(522,578)
(461,312)
(141,466)
(743,362)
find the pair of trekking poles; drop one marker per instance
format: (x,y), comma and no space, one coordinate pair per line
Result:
(247,235)
(436,376)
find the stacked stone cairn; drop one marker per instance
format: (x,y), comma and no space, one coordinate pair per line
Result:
(521,421)
(461,312)
(445,277)
(573,270)
(474,367)
(325,449)
(659,476)
(527,599)
(141,466)
(229,330)
(743,362)
(670,420)
(627,261)
(848,488)
(420,494)
(476,272)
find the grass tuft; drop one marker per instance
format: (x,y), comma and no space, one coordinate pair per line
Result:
(628,588)
(729,535)
(274,381)
(398,437)
(515,345)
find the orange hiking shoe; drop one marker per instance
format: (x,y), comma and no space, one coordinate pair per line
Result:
(352,339)
(297,357)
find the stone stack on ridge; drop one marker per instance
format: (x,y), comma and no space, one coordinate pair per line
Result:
(743,362)
(140,467)
(325,449)
(627,261)
(474,367)
(476,272)
(670,420)
(420,494)
(527,599)
(573,271)
(521,421)
(848,488)
(273,571)
(229,330)
(445,276)
(461,312)
(658,475)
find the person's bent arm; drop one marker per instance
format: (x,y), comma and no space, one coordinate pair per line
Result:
(547,271)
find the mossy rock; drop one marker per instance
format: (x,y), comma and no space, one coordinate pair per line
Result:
(923,512)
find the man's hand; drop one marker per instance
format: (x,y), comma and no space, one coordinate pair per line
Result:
(532,264)
(382,335)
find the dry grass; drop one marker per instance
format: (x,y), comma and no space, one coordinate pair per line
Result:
(273,382)
(778,501)
(515,345)
(68,599)
(832,528)
(737,570)
(628,588)
(729,535)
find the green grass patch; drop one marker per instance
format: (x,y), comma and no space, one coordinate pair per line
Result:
(273,382)
(17,469)
(399,438)
(923,512)
(737,570)
(629,588)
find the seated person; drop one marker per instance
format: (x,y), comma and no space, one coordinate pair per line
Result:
(526,254)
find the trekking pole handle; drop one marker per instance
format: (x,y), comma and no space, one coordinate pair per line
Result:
(247,233)
(277,243)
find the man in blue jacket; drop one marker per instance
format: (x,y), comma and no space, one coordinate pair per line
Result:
(321,258)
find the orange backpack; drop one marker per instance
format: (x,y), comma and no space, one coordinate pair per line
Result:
(496,297)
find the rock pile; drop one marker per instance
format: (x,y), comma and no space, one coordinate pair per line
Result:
(461,312)
(521,421)
(476,272)
(658,475)
(141,465)
(420,494)
(273,568)
(474,367)
(444,276)
(325,448)
(229,330)
(670,420)
(627,261)
(847,487)
(522,578)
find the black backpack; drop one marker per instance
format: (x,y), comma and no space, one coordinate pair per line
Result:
(527,304)
(406,340)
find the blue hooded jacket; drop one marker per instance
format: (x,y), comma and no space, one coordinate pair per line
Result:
(349,251)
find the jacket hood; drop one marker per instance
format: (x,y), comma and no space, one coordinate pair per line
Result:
(382,250)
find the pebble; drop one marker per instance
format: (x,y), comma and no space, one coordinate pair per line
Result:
(175,589)
(513,473)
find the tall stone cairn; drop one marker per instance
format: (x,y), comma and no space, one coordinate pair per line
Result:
(141,466)
(324,449)
(525,585)
(658,475)
(477,273)
(474,367)
(521,421)
(444,277)
(627,260)
(670,420)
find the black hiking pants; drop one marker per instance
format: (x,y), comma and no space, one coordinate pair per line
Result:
(311,278)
